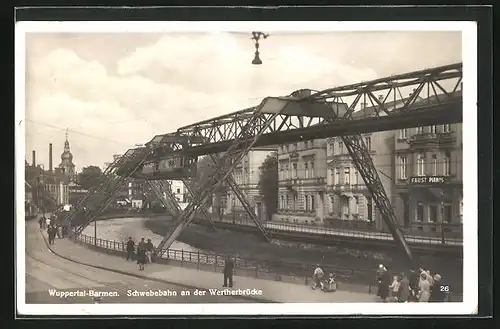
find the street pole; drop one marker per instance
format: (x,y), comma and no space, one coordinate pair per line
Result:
(95,232)
(442,228)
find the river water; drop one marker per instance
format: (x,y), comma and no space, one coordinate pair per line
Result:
(121,228)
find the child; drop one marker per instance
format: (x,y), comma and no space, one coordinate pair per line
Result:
(330,284)
(394,288)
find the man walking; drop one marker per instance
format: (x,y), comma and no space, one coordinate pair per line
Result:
(130,248)
(228,271)
(149,250)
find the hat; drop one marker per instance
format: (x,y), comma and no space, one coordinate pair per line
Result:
(437,277)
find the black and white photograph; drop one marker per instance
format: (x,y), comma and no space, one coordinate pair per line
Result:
(225,168)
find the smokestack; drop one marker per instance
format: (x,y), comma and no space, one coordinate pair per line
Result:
(50,157)
(34,159)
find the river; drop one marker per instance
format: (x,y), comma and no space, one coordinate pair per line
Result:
(121,228)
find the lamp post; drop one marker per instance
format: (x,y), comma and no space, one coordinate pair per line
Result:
(256,37)
(442,220)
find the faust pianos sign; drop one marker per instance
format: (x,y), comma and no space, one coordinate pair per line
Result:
(428,180)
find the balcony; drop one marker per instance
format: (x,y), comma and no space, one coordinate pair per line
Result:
(447,138)
(424,139)
(350,188)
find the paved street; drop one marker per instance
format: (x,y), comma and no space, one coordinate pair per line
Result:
(271,291)
(47,273)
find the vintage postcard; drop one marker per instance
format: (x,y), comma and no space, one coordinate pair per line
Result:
(246,168)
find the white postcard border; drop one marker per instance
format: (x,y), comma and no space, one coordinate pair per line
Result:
(469,53)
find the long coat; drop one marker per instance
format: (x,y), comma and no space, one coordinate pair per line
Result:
(404,290)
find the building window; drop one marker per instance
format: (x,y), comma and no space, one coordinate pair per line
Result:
(306,167)
(420,212)
(421,165)
(434,165)
(446,128)
(332,148)
(294,168)
(287,204)
(346,175)
(403,166)
(306,203)
(368,141)
(433,213)
(178,191)
(420,130)
(403,133)
(313,205)
(287,169)
(282,203)
(332,177)
(312,170)
(294,202)
(337,176)
(355,176)
(447,213)
(432,129)
(446,163)
(356,205)
(341,148)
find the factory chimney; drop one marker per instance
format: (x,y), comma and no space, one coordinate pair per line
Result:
(50,157)
(34,159)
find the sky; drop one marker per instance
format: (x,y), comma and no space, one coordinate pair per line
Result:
(114,90)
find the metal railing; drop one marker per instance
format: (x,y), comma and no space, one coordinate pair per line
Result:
(355,279)
(354,233)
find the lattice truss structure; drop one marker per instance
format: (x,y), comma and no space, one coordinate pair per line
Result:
(436,98)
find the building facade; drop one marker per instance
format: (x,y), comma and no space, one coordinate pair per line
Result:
(302,169)
(246,175)
(429,186)
(59,192)
(179,190)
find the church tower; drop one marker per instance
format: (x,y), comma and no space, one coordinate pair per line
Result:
(67,166)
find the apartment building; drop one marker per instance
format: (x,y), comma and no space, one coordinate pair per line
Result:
(428,184)
(302,182)
(247,175)
(179,190)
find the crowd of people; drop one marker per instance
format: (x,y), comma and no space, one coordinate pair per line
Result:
(54,230)
(415,286)
(142,253)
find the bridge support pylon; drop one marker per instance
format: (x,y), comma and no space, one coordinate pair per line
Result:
(246,138)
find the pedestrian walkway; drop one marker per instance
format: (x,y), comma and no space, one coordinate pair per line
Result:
(272,291)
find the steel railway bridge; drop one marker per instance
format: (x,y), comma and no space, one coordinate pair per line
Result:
(304,115)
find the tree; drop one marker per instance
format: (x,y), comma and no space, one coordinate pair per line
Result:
(90,177)
(204,171)
(268,184)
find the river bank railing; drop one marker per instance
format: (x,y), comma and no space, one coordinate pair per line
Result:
(351,279)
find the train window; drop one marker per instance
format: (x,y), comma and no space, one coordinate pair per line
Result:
(157,166)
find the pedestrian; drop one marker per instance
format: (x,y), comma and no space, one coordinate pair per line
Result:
(404,289)
(331,284)
(394,288)
(141,254)
(317,276)
(59,231)
(51,232)
(130,248)
(424,288)
(413,284)
(439,291)
(40,222)
(47,223)
(384,283)
(228,271)
(149,250)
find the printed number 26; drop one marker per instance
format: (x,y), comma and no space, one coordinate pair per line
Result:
(444,288)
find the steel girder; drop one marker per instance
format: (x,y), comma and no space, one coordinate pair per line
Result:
(189,184)
(242,198)
(127,165)
(224,168)
(431,93)
(164,195)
